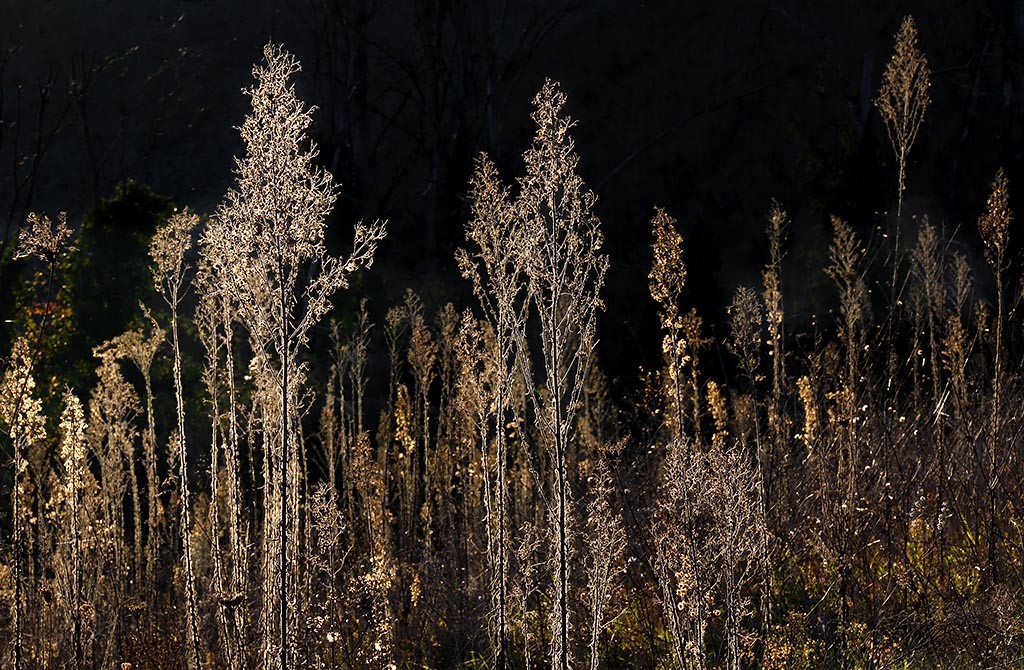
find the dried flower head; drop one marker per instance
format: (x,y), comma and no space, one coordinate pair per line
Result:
(994,224)
(746,317)
(846,260)
(810,403)
(668,273)
(20,410)
(903,97)
(267,238)
(719,413)
(170,244)
(43,240)
(72,438)
(777,223)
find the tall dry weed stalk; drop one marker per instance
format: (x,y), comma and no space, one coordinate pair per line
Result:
(677,558)
(994,226)
(214,321)
(495,267)
(140,347)
(47,242)
(846,256)
(266,244)
(778,222)
(172,273)
(667,278)
(903,99)
(75,465)
(22,415)
(606,540)
(779,423)
(565,268)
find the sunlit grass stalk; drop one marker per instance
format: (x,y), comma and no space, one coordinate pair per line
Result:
(171,272)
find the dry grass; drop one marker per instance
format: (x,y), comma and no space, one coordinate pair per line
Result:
(467,487)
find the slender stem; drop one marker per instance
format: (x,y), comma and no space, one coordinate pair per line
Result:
(18,448)
(186,524)
(284,477)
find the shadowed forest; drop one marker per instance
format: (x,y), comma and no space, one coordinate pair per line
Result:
(234,433)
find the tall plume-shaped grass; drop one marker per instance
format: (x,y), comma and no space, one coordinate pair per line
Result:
(904,98)
(266,245)
(565,268)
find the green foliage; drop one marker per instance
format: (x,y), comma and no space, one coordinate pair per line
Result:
(110,275)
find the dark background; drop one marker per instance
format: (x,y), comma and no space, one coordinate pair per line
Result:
(707,109)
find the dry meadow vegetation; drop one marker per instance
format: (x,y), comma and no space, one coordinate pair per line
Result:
(463,487)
